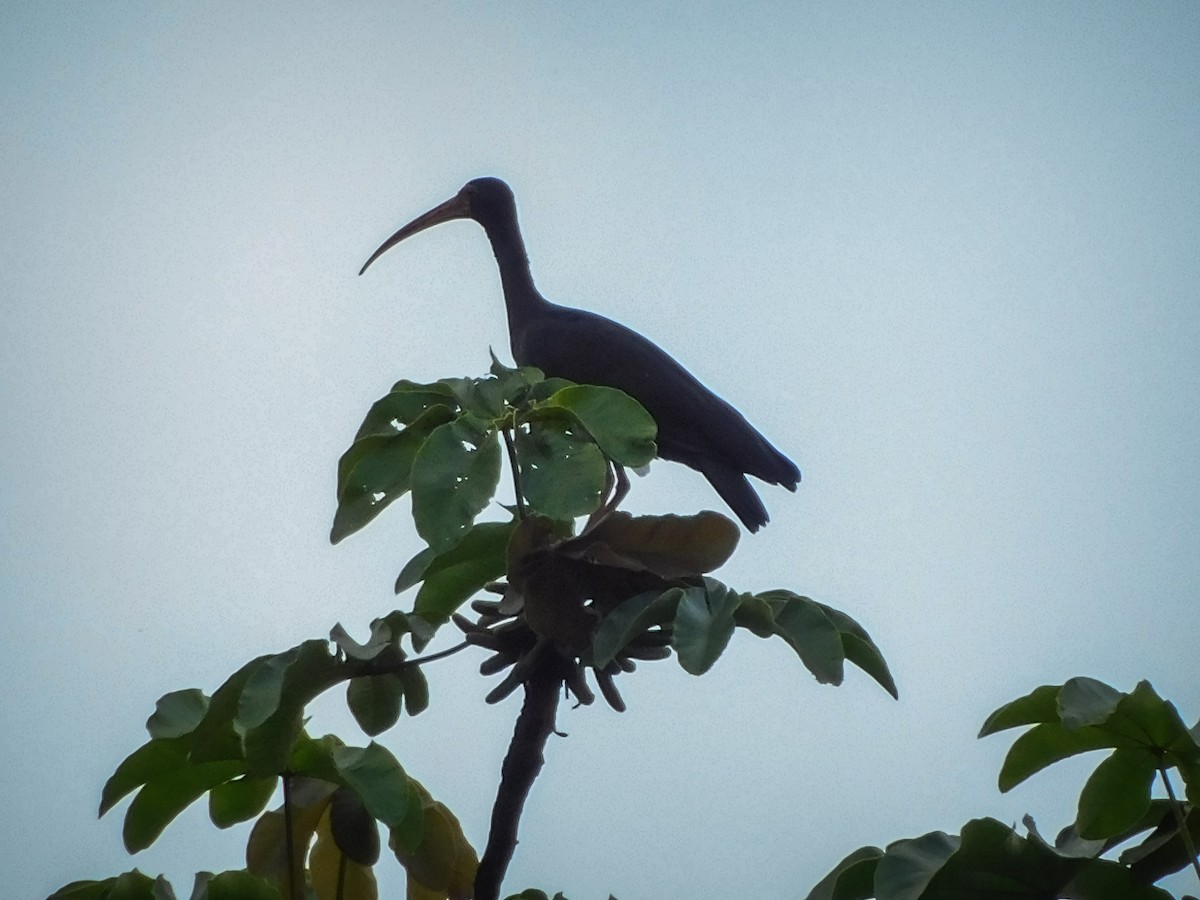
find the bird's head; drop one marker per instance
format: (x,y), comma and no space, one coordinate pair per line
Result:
(486,200)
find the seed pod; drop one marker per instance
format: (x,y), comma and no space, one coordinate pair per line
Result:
(577,684)
(486,607)
(496,663)
(511,682)
(609,689)
(647,653)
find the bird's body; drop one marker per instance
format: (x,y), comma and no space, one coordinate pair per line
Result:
(695,426)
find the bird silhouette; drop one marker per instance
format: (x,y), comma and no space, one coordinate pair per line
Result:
(695,426)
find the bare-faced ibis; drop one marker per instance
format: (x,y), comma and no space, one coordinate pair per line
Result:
(695,426)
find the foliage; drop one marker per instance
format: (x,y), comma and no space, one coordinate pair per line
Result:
(1147,737)
(568,597)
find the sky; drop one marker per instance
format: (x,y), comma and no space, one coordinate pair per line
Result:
(943,255)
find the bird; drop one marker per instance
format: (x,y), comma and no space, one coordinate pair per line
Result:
(695,426)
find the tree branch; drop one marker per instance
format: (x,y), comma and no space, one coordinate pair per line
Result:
(521,766)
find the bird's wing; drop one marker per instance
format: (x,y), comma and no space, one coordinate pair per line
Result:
(694,423)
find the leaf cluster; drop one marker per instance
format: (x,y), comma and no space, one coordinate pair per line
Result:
(246,740)
(1146,737)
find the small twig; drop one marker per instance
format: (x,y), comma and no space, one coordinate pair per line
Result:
(441,654)
(1180,820)
(516,471)
(522,764)
(355,668)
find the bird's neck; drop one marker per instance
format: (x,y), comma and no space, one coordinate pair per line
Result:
(521,297)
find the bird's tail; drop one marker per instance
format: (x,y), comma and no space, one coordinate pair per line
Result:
(737,492)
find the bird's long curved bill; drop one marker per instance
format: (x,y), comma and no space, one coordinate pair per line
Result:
(456,207)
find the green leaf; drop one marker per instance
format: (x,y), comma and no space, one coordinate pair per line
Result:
(416,690)
(703,625)
(374,701)
(166,796)
(177,713)
(1039,706)
(273,701)
(132,885)
(414,569)
(233,885)
(240,800)
(452,577)
(353,828)
(617,422)
(377,469)
(1164,850)
(630,619)
(908,867)
(562,472)
(375,775)
(454,476)
(1116,794)
(1043,745)
(860,649)
(543,390)
(1086,701)
(155,758)
(808,631)
(403,406)
(852,879)
(218,736)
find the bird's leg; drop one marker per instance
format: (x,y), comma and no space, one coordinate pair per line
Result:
(616,486)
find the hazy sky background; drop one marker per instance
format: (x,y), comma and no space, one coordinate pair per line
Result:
(944,255)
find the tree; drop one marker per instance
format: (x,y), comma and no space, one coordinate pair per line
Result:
(578,585)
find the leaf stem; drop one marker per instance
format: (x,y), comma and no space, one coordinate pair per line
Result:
(441,654)
(289,841)
(516,469)
(1180,820)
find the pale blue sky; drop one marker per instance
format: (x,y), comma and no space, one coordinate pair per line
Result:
(944,255)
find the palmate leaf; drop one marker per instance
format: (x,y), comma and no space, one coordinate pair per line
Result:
(989,859)
(1144,732)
